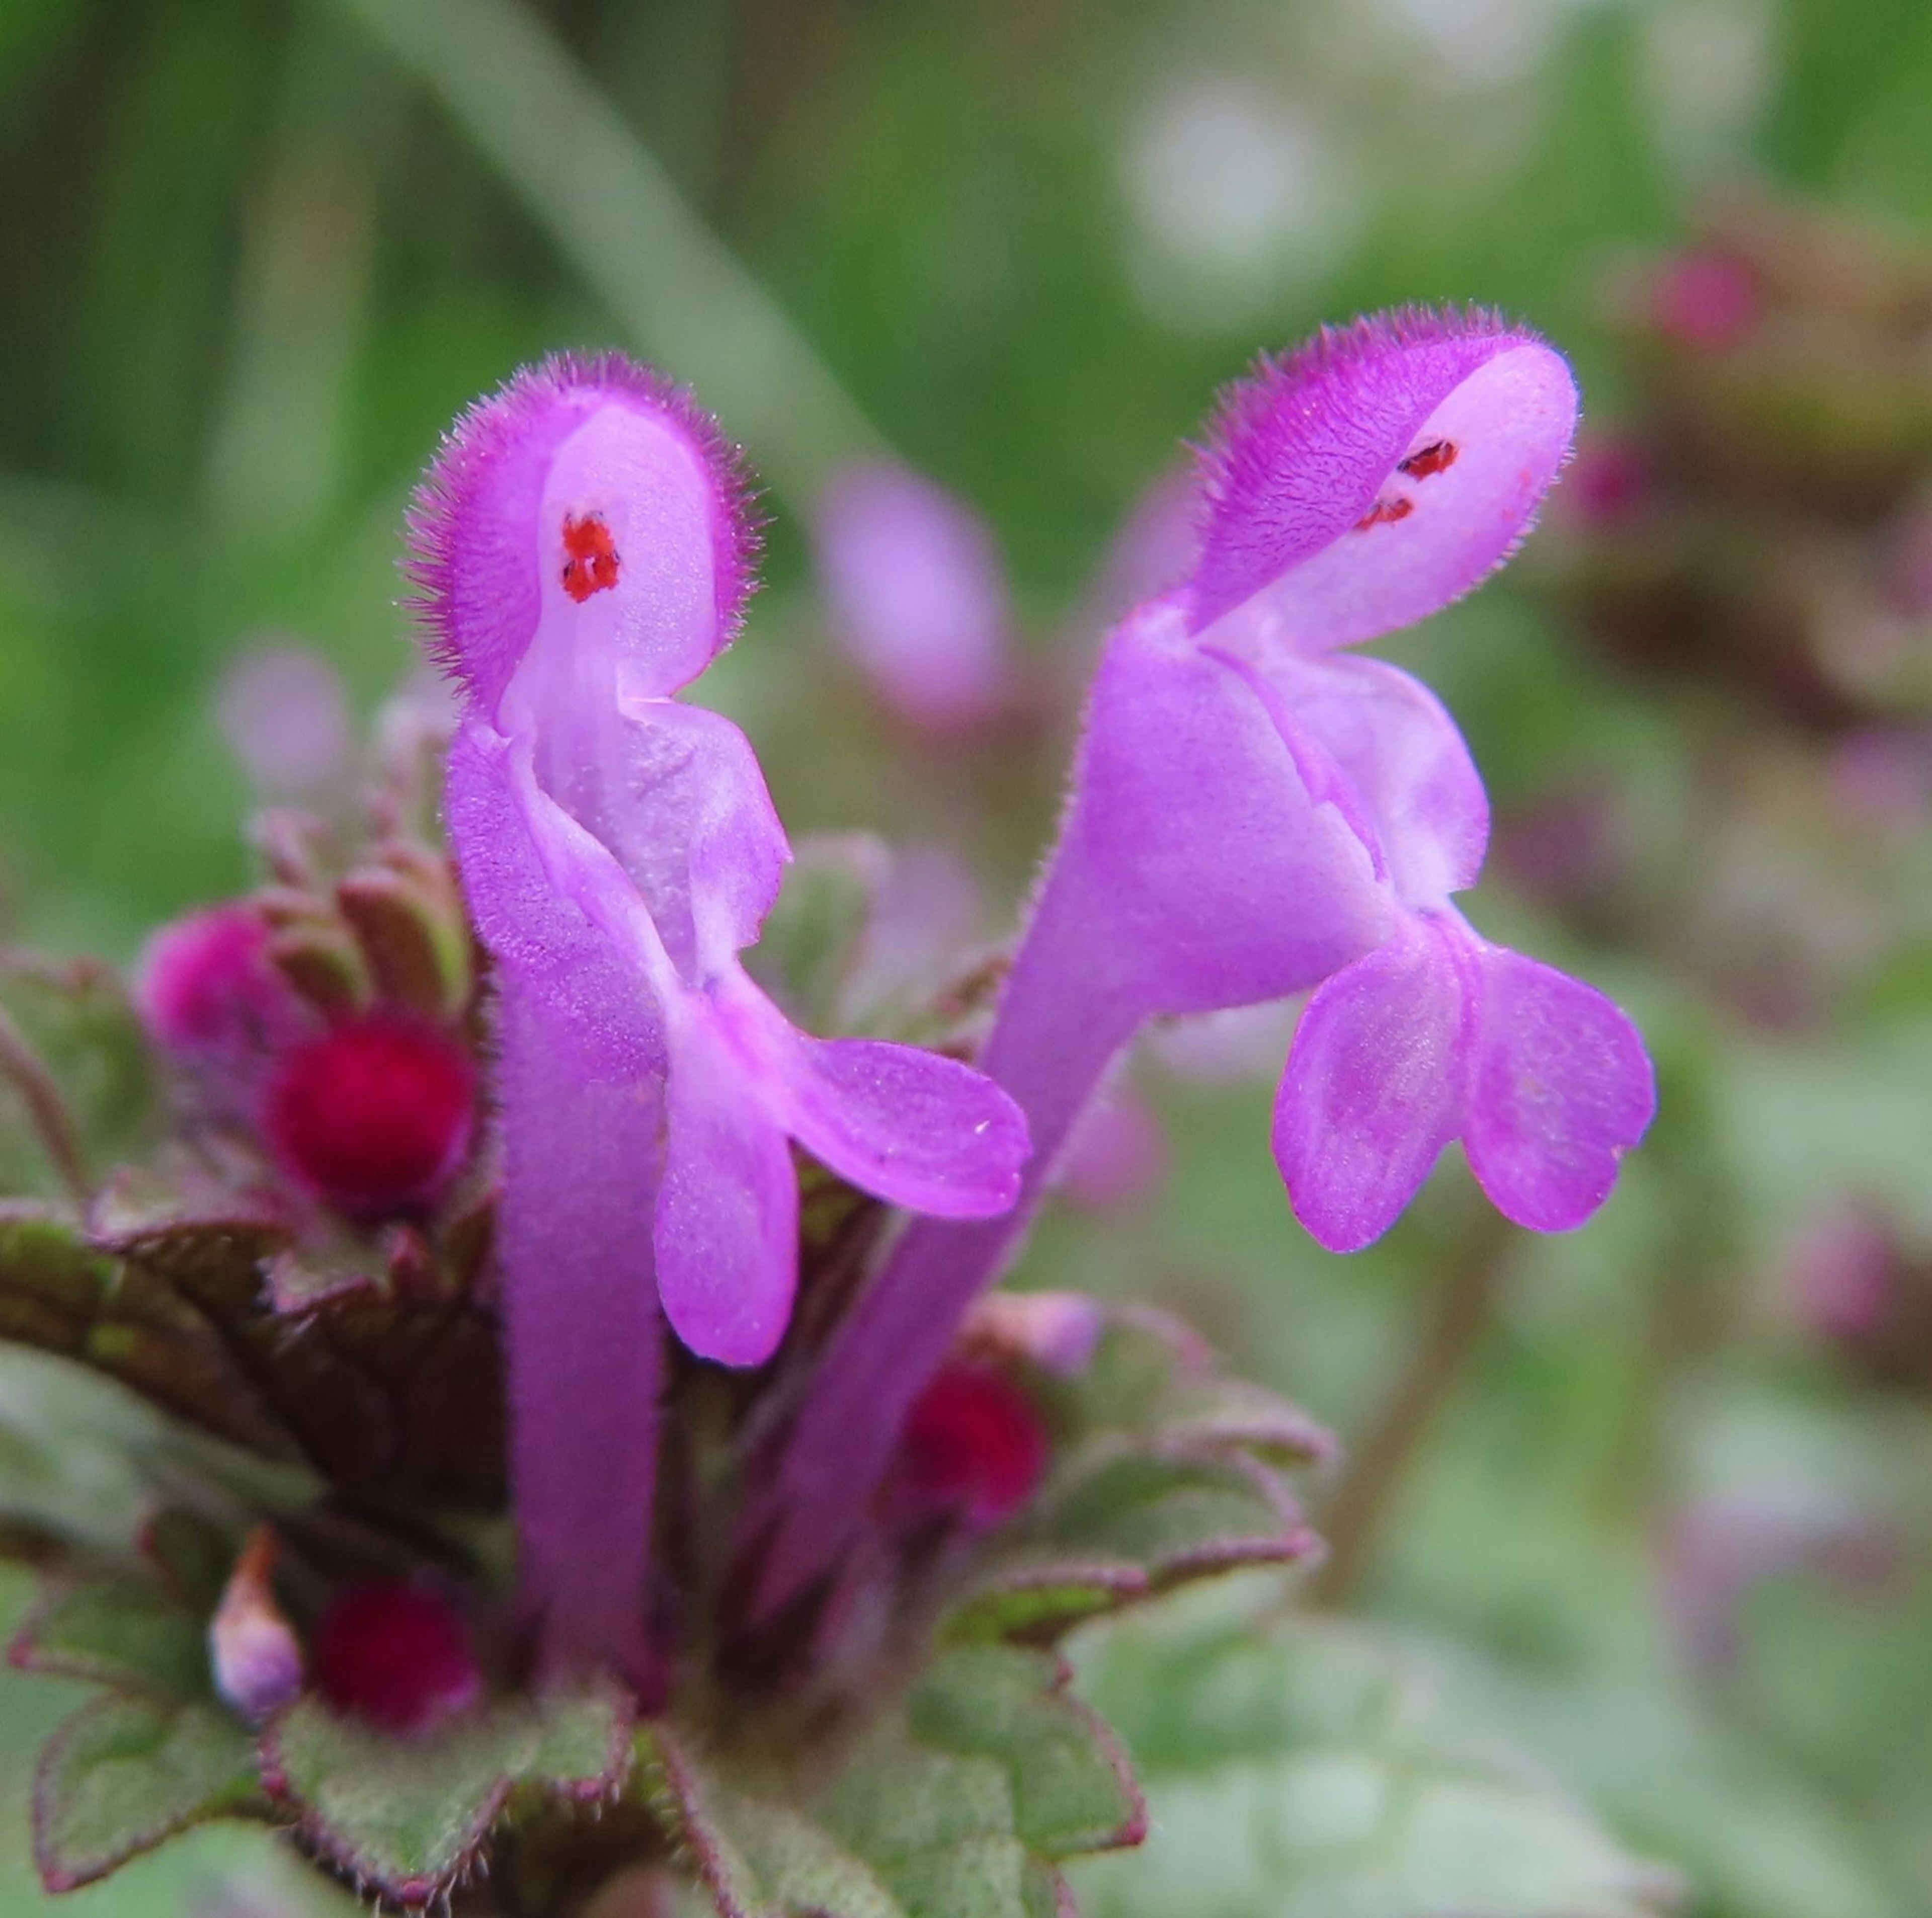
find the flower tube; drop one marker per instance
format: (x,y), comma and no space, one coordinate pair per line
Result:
(1252,814)
(583,548)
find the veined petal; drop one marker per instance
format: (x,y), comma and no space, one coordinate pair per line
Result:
(1417,790)
(1217,876)
(1562,1089)
(684,808)
(915,1127)
(593,503)
(1380,473)
(1377,1083)
(726,1223)
(539,930)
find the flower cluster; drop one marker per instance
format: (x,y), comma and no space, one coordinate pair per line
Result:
(770,1448)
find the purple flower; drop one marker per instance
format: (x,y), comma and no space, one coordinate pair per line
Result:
(1255,813)
(584,550)
(918,597)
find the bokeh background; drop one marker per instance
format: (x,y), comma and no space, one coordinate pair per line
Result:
(1653,1501)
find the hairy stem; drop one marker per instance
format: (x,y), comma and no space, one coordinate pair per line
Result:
(1458,1315)
(1051,1056)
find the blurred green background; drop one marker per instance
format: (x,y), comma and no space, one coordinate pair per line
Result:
(256,254)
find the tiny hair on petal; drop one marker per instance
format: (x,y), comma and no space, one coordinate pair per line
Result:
(446,540)
(1297,454)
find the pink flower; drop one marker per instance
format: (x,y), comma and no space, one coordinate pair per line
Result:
(1255,812)
(917,596)
(584,547)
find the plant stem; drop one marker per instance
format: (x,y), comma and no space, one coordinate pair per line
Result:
(1458,1316)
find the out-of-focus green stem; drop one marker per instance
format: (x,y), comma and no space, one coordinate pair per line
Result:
(1457,1314)
(684,298)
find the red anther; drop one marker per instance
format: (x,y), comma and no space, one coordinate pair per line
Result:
(591,564)
(375,1116)
(974,1442)
(1385,512)
(1438,456)
(396,1655)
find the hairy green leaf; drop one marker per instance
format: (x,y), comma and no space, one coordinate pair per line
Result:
(960,1805)
(123,1774)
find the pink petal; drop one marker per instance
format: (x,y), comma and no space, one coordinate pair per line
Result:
(1204,872)
(1562,1089)
(727,1225)
(680,800)
(1416,788)
(1307,503)
(915,1127)
(1376,1085)
(530,886)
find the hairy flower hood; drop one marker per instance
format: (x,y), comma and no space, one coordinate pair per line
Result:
(583,548)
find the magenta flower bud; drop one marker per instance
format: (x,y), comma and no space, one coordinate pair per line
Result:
(374,1117)
(398,1656)
(1254,812)
(975,1447)
(583,547)
(207,992)
(917,597)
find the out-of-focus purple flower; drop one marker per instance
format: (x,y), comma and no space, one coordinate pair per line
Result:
(1608,481)
(1714,1553)
(1118,1154)
(583,548)
(284,714)
(1217,1049)
(1841,1272)
(1881,776)
(1254,812)
(917,595)
(1706,299)
(1154,551)
(218,1008)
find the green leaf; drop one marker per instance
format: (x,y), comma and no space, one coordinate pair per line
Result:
(199,1305)
(1299,1773)
(1171,1514)
(124,1633)
(961,1805)
(1031,1603)
(410,1816)
(1169,1472)
(123,1774)
(52,1281)
(1072,1792)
